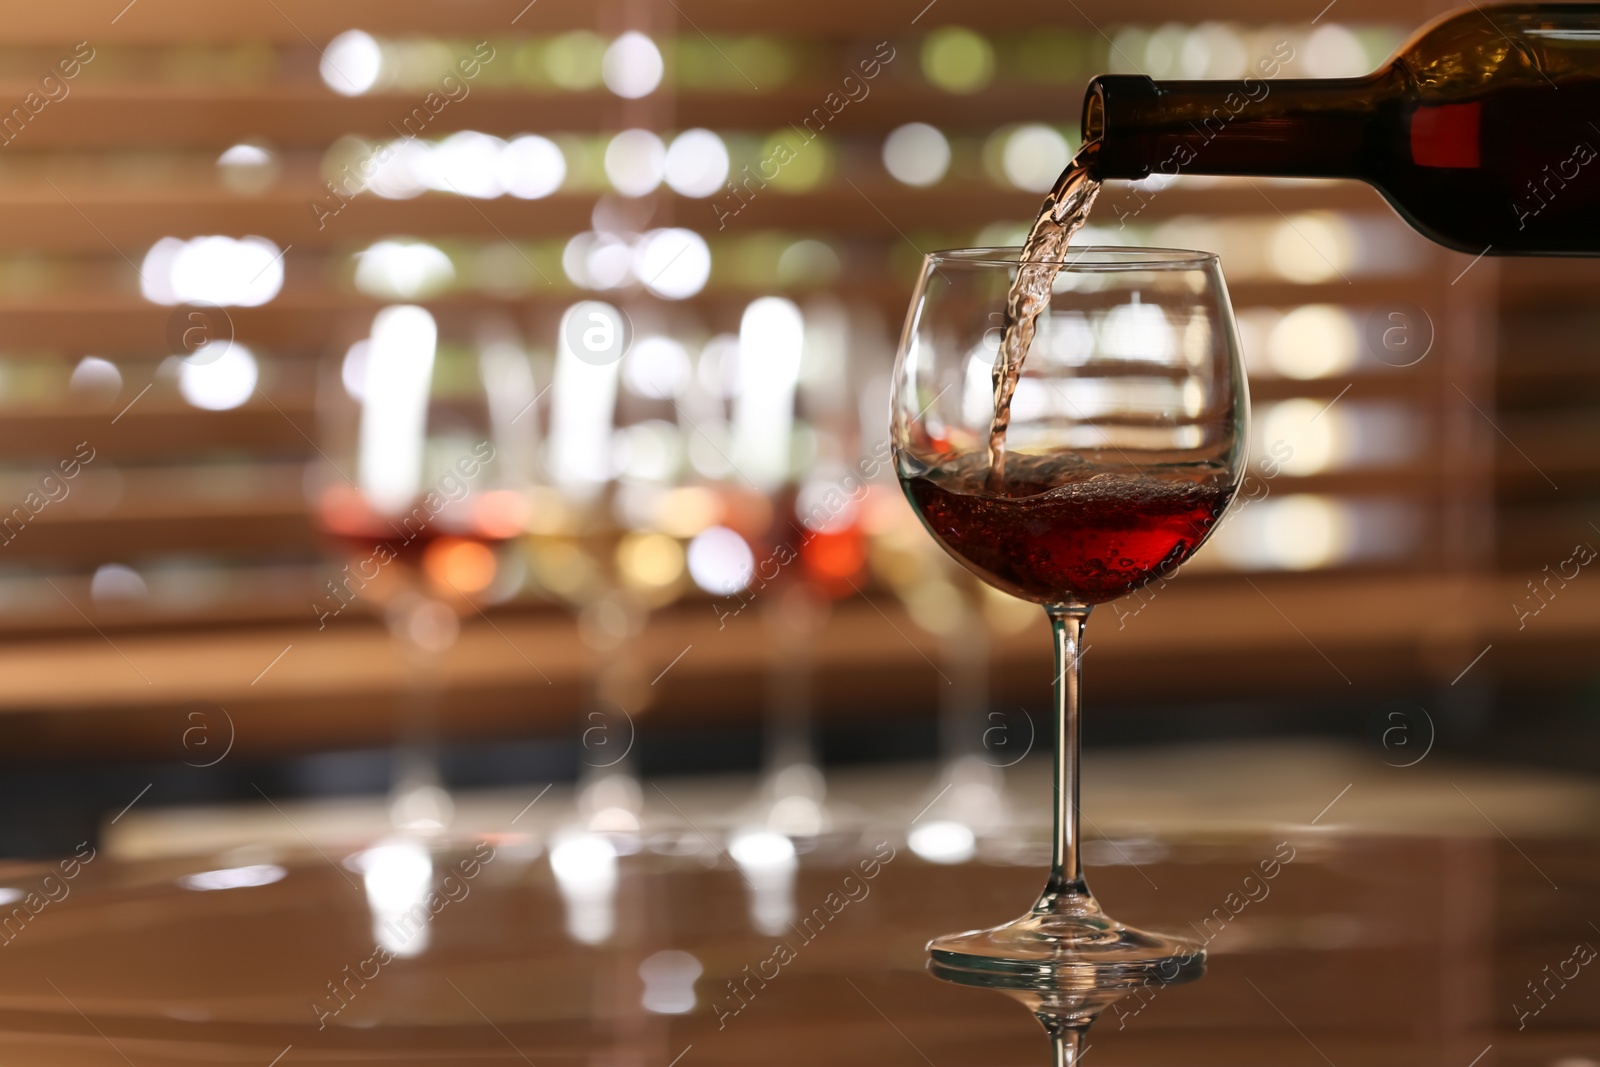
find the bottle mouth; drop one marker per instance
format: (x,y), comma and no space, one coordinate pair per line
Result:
(1121,101)
(1094,114)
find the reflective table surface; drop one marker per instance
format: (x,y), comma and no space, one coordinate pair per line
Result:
(1327,944)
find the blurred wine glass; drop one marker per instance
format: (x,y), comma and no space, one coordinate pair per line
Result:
(796,400)
(607,539)
(977,743)
(430,449)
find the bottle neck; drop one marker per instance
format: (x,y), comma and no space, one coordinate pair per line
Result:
(1292,127)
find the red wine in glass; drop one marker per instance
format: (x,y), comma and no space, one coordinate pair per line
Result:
(1057,536)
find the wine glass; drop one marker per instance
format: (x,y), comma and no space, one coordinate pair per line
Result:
(1125,445)
(427,445)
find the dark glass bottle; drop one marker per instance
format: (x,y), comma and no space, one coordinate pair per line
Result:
(1483,131)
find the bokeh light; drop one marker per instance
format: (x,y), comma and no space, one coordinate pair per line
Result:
(835,558)
(1312,247)
(574,60)
(656,367)
(403,270)
(916,154)
(648,451)
(468,163)
(500,513)
(399,171)
(1136,331)
(397,875)
(248,168)
(631,66)
(802,165)
(531,167)
(635,162)
(219,376)
(822,506)
(1303,531)
(808,262)
(400,354)
(688,509)
(244,272)
(116,581)
(95,376)
(669,977)
(1312,341)
(1333,51)
(459,564)
(352,63)
(1308,428)
(943,841)
(597,260)
(1034,157)
(673,263)
(234,877)
(1213,50)
(720,561)
(650,560)
(957,60)
(762,850)
(696,163)
(1163,50)
(1298,531)
(936,605)
(585,868)
(771,344)
(353,370)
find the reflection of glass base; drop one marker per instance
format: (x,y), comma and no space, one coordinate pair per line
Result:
(1072,949)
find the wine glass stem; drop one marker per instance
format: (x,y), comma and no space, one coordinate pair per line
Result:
(1066,887)
(1065,1046)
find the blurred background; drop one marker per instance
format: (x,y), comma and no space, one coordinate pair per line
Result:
(405,399)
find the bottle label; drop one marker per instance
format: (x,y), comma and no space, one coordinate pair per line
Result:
(1446,135)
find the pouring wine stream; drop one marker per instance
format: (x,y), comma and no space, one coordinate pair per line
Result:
(1063,214)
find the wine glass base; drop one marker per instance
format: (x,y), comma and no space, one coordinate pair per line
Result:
(1081,950)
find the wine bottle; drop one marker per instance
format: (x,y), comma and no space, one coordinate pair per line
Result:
(1482,131)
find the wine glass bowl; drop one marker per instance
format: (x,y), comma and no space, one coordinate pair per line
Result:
(1125,445)
(1126,439)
